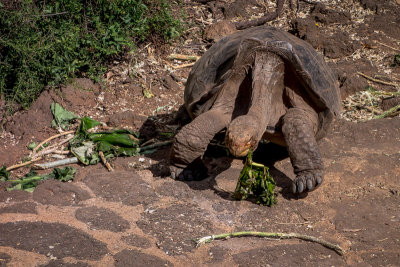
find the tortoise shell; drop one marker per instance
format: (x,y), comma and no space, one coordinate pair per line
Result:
(211,71)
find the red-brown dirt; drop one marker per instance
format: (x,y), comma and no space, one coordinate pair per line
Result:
(137,215)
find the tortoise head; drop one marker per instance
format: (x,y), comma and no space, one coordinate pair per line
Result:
(241,136)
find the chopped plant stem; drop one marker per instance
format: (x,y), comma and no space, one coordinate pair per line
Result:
(327,244)
(388,112)
(23,164)
(57,163)
(107,164)
(51,138)
(133,138)
(156,145)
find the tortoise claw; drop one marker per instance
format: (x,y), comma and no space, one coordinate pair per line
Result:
(306,181)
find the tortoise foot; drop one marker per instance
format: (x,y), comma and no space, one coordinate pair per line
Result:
(193,172)
(307,181)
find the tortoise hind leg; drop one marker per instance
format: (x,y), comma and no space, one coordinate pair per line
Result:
(299,128)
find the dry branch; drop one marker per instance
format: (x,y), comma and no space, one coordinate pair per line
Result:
(376,80)
(184,57)
(22,164)
(51,138)
(183,66)
(388,46)
(260,21)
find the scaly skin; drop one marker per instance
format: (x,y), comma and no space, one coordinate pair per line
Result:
(192,140)
(299,128)
(246,131)
(300,123)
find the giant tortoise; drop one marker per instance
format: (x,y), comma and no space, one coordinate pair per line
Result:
(260,83)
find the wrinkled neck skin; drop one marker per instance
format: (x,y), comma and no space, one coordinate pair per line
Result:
(245,132)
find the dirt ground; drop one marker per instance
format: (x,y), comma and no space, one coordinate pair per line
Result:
(137,215)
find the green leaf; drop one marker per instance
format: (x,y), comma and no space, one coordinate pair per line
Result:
(114,139)
(88,123)
(167,134)
(32,145)
(397,60)
(255,179)
(62,117)
(4,174)
(85,152)
(31,179)
(62,174)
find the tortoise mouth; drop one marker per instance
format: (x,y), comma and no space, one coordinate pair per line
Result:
(239,151)
(237,146)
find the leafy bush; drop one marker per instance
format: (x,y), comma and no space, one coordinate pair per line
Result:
(44,42)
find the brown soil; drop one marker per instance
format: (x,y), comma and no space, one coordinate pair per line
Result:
(138,216)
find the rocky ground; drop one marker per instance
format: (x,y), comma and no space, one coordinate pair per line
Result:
(138,216)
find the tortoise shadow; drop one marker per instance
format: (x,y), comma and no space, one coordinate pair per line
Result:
(267,154)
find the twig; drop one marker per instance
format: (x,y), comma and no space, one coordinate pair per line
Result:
(257,22)
(45,152)
(61,143)
(183,65)
(293,223)
(388,112)
(22,164)
(327,244)
(309,2)
(376,80)
(57,163)
(388,46)
(50,15)
(51,138)
(148,142)
(133,138)
(372,110)
(184,57)
(156,145)
(203,21)
(107,164)
(62,152)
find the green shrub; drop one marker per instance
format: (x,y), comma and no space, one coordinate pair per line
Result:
(45,42)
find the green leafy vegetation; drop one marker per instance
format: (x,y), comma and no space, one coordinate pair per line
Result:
(62,117)
(255,179)
(31,179)
(86,146)
(396,60)
(46,42)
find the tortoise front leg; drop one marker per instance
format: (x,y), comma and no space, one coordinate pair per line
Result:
(192,140)
(299,128)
